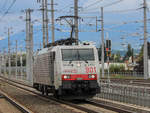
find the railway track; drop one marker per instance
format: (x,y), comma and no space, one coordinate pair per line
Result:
(96,103)
(18,85)
(112,108)
(1,96)
(19,107)
(80,107)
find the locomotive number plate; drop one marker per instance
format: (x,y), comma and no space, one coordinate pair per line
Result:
(90,69)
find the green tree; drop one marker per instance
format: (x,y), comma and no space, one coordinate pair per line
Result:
(13,60)
(129,52)
(140,62)
(140,67)
(117,57)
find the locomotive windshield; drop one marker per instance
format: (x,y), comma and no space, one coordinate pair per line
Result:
(78,55)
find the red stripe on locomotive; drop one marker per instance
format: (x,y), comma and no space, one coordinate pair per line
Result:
(79,77)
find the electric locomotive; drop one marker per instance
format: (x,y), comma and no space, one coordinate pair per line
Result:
(67,71)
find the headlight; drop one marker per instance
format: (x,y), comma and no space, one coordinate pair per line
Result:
(67,77)
(91,76)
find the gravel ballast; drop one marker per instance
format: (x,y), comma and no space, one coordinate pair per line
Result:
(6,107)
(35,103)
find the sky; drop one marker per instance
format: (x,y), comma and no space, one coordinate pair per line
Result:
(123,21)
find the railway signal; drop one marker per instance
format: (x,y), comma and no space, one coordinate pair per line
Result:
(108,51)
(108,47)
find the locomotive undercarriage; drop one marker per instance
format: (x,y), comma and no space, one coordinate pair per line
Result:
(72,89)
(79,89)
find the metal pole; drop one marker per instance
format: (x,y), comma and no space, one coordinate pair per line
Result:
(40,46)
(4,62)
(107,38)
(76,20)
(46,14)
(16,59)
(9,59)
(31,32)
(27,24)
(52,19)
(102,41)
(29,47)
(108,77)
(21,63)
(30,57)
(145,43)
(0,63)
(43,18)
(96,24)
(27,41)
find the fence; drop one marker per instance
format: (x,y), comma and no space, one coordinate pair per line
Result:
(125,93)
(21,72)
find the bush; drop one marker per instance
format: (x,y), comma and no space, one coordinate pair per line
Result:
(116,68)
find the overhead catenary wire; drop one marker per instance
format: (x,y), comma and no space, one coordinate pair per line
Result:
(113,11)
(4,5)
(113,3)
(93,4)
(1,5)
(65,7)
(123,11)
(125,23)
(107,5)
(6,12)
(116,24)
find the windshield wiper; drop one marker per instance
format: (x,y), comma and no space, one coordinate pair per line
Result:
(86,61)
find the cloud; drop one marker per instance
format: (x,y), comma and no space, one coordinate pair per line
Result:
(2,38)
(16,23)
(148,4)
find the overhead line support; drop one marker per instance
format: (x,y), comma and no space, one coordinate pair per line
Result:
(102,41)
(76,21)
(145,56)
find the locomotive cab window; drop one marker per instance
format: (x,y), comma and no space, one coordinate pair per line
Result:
(78,55)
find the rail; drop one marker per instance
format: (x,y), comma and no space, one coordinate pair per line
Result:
(19,85)
(112,91)
(15,104)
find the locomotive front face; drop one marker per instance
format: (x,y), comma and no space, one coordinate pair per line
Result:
(80,71)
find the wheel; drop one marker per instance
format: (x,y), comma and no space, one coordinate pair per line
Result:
(56,94)
(46,91)
(42,90)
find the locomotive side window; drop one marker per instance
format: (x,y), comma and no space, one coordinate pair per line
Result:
(78,55)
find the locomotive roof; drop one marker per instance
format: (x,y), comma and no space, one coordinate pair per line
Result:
(54,48)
